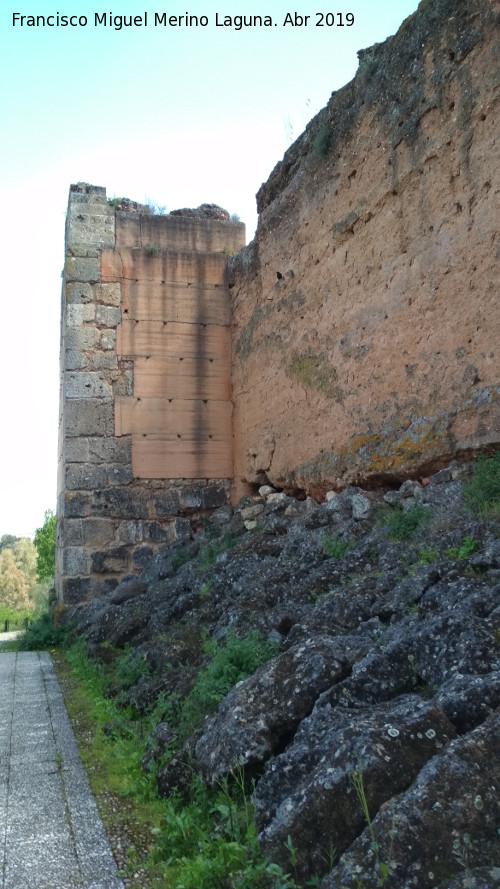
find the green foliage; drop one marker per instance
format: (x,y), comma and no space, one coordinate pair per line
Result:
(129,668)
(467,548)
(16,619)
(383,868)
(14,585)
(428,556)
(403,524)
(152,249)
(335,547)
(205,843)
(212,842)
(155,208)
(322,140)
(211,550)
(180,557)
(42,634)
(482,494)
(7,540)
(229,664)
(45,545)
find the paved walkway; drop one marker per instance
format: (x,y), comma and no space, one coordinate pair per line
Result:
(50,833)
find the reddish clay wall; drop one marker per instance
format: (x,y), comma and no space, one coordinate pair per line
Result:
(375,354)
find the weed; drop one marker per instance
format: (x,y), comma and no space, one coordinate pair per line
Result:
(356,779)
(335,547)
(428,556)
(213,549)
(368,64)
(152,249)
(229,664)
(129,668)
(154,208)
(482,494)
(402,525)
(180,557)
(467,548)
(322,140)
(204,590)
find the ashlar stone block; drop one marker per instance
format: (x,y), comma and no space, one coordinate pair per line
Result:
(75,504)
(75,360)
(71,533)
(104,361)
(108,339)
(85,476)
(166,503)
(111,560)
(110,450)
(130,532)
(81,339)
(75,561)
(76,450)
(108,316)
(89,416)
(77,315)
(108,294)
(78,293)
(86,384)
(120,503)
(82,269)
(98,532)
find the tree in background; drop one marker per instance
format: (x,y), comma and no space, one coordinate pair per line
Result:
(25,557)
(45,544)
(7,540)
(14,589)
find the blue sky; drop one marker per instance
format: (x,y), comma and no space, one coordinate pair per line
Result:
(179,115)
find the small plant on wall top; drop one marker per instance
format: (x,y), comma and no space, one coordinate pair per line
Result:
(322,140)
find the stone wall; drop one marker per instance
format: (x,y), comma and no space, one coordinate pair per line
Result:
(374,354)
(145,426)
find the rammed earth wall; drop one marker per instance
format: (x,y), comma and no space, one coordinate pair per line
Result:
(363,322)
(145,427)
(375,355)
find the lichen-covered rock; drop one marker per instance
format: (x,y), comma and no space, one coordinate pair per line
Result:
(307,793)
(445,824)
(259,715)
(385,653)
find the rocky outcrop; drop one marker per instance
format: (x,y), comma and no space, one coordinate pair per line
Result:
(371,733)
(374,353)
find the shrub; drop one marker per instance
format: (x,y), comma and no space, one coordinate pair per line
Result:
(129,668)
(152,249)
(335,547)
(467,548)
(482,494)
(229,664)
(404,524)
(322,140)
(42,634)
